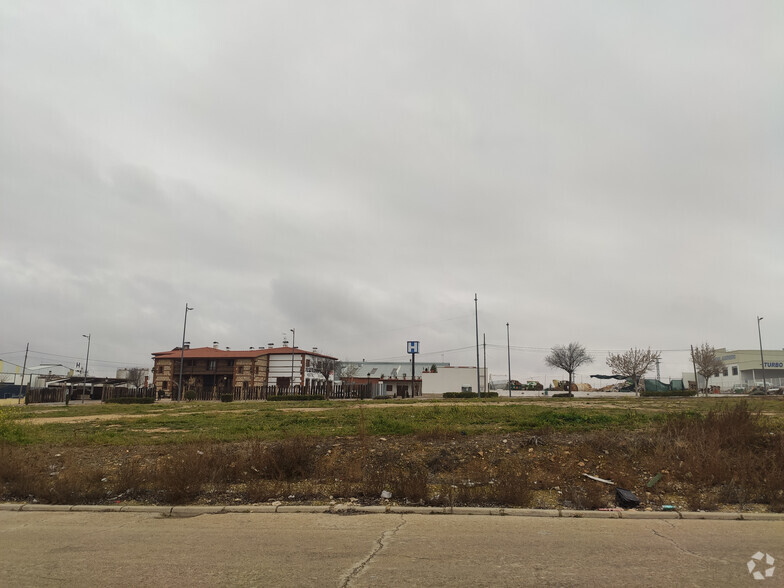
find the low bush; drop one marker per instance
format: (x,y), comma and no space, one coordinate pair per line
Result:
(190,395)
(130,400)
(469,395)
(667,393)
(298,397)
(227,397)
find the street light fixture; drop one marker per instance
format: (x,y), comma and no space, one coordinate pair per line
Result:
(86,363)
(182,351)
(762,357)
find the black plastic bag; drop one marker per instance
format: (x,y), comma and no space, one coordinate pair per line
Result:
(626,499)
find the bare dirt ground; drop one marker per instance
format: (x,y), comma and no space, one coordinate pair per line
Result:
(544,470)
(730,460)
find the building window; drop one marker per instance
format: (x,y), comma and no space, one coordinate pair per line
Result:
(240,369)
(230,363)
(164,385)
(389,387)
(160,369)
(734,370)
(211,365)
(725,372)
(257,369)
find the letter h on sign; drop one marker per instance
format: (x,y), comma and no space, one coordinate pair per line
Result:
(413,347)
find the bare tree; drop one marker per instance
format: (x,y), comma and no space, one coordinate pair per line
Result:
(707,363)
(633,364)
(346,370)
(326,367)
(136,375)
(568,358)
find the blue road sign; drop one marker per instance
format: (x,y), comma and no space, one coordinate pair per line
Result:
(413,347)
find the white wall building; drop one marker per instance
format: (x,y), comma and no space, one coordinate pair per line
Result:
(743,369)
(453,379)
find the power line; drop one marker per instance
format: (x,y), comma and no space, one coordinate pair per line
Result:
(79,358)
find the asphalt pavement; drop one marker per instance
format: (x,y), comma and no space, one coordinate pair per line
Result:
(181,547)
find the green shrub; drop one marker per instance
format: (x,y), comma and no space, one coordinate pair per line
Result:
(227,397)
(469,395)
(9,428)
(130,400)
(298,397)
(190,395)
(668,393)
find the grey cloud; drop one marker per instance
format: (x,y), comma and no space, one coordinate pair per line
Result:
(358,171)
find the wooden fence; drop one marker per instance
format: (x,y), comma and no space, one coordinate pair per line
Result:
(111,392)
(39,395)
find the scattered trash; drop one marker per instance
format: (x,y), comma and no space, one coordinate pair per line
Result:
(104,479)
(386,494)
(602,480)
(668,507)
(291,497)
(653,480)
(199,452)
(626,498)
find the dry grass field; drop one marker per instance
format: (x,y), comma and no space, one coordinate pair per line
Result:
(690,453)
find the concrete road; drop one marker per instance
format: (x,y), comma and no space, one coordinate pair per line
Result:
(145,549)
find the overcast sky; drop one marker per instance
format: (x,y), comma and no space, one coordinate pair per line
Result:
(610,173)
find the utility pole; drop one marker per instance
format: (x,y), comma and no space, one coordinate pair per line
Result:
(476,314)
(484,354)
(694,365)
(86,363)
(658,376)
(762,357)
(182,351)
(508,363)
(21,385)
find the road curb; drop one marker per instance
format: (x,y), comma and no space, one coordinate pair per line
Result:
(348,508)
(238,509)
(94,508)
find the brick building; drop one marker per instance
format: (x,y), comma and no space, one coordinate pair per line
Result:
(222,371)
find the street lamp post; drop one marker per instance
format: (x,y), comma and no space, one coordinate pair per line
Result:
(86,363)
(476,315)
(762,357)
(293,346)
(182,351)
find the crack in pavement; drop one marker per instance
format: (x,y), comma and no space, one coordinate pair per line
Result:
(380,544)
(684,550)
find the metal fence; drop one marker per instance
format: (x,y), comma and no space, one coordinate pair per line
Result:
(316,388)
